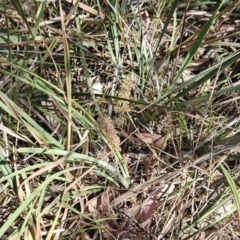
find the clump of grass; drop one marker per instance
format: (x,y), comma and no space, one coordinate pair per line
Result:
(77,78)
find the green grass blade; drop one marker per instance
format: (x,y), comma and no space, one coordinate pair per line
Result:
(206,75)
(76,157)
(156,46)
(233,187)
(15,111)
(28,201)
(196,44)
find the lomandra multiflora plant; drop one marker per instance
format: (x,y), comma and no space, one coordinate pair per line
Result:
(125,93)
(111,133)
(121,106)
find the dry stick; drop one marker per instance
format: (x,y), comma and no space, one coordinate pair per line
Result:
(56,163)
(89,9)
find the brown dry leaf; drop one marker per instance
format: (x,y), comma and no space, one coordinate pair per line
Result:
(92,206)
(161,143)
(148,138)
(105,203)
(85,236)
(216,175)
(147,163)
(156,140)
(147,209)
(99,205)
(236,149)
(134,211)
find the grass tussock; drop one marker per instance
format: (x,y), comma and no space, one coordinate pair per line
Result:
(119,119)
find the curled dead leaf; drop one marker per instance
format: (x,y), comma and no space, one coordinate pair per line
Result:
(144,211)
(156,140)
(99,205)
(92,206)
(148,138)
(85,236)
(161,143)
(105,203)
(147,209)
